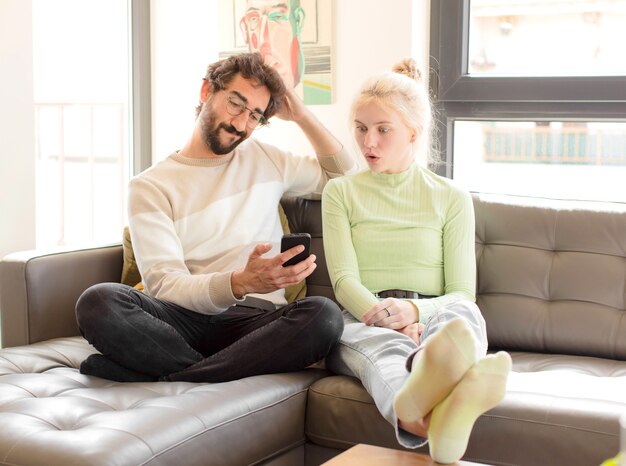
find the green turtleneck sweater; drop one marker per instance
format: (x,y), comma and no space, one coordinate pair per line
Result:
(410,231)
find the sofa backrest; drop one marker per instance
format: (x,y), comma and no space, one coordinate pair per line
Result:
(551,275)
(305,216)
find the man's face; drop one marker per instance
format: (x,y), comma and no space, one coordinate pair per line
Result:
(222,131)
(271,28)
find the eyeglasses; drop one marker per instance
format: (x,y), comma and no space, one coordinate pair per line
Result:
(235,107)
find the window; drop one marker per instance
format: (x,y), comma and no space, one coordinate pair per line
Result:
(82,69)
(530,96)
(80,52)
(539,38)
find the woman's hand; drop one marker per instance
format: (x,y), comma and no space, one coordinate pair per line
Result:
(391,313)
(413,331)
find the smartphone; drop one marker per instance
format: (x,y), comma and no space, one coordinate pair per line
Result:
(293,239)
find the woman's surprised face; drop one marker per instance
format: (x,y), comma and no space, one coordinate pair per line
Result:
(385,140)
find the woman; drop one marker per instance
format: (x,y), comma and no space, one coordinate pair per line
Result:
(399,244)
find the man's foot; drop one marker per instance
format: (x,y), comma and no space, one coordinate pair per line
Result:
(481,389)
(103,367)
(437,368)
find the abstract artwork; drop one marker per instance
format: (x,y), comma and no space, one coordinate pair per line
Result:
(294,36)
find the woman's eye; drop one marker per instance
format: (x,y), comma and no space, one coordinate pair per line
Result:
(361,129)
(384,130)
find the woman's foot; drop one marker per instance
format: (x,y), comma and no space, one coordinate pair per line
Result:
(418,428)
(480,389)
(437,368)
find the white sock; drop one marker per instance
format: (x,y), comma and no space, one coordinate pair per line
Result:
(437,368)
(481,389)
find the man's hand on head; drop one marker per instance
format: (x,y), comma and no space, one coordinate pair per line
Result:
(293,108)
(264,275)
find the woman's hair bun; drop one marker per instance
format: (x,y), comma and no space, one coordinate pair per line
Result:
(408,67)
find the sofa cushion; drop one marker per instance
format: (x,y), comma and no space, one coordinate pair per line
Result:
(340,414)
(130,269)
(51,414)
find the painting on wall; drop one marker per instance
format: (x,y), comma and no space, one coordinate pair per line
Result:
(294,36)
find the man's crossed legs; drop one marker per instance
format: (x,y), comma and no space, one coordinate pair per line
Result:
(142,338)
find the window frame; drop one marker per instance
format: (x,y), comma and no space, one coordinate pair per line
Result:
(457,95)
(140,98)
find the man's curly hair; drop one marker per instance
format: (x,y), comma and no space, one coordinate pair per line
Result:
(250,66)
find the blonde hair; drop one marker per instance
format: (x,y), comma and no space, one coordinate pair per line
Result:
(403,91)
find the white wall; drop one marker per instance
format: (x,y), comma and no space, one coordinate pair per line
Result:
(17,133)
(184,42)
(370,36)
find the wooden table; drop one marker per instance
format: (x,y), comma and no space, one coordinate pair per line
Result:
(368,455)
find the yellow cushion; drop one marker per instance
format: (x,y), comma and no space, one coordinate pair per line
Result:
(130,271)
(131,276)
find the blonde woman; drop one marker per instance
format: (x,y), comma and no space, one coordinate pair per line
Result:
(399,243)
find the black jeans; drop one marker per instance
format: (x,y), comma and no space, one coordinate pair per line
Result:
(162,341)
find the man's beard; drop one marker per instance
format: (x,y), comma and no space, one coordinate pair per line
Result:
(211,136)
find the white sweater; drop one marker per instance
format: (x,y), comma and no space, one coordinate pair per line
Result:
(193,222)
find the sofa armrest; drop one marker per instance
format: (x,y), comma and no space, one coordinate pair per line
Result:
(38,290)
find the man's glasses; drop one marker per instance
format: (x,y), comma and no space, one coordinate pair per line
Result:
(235,107)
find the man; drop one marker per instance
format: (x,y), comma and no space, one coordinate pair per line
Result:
(273,29)
(204,224)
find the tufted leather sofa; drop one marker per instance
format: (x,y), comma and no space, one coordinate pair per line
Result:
(552,288)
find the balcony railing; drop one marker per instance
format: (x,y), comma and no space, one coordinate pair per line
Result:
(82,171)
(567,145)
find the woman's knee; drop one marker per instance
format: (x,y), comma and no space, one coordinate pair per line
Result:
(470,312)
(463,309)
(474,315)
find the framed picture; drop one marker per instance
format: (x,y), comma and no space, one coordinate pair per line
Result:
(294,36)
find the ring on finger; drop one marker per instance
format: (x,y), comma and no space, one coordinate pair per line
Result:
(388,313)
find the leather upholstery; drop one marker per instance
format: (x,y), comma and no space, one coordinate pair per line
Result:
(552,287)
(52,415)
(38,290)
(305,216)
(552,278)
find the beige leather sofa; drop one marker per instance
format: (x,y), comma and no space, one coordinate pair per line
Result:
(551,285)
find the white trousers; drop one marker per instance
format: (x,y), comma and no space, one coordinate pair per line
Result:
(378,357)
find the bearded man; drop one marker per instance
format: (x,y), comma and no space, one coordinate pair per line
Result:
(205,229)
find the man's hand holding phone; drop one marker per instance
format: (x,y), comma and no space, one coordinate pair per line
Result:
(263,275)
(290,242)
